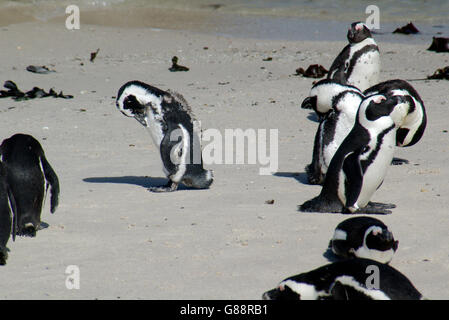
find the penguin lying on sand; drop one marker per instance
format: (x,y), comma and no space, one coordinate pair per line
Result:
(360,164)
(172,126)
(346,280)
(358,64)
(29,175)
(339,105)
(363,237)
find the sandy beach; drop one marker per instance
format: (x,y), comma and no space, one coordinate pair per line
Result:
(221,243)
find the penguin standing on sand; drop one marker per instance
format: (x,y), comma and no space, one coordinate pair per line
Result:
(360,164)
(358,64)
(29,175)
(174,130)
(8,210)
(340,104)
(363,237)
(346,280)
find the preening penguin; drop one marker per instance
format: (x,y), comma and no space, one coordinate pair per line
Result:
(174,130)
(360,164)
(338,105)
(412,128)
(29,175)
(8,222)
(358,64)
(346,280)
(363,237)
(341,103)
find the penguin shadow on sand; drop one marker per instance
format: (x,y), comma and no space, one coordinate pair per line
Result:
(301,177)
(141,181)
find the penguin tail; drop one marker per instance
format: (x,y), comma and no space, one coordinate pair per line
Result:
(52,179)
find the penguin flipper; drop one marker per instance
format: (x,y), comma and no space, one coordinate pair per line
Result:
(354,178)
(12,203)
(313,170)
(52,179)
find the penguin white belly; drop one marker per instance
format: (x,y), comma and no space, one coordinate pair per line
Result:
(344,126)
(366,71)
(154,127)
(376,171)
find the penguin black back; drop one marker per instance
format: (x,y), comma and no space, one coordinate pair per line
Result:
(29,174)
(174,130)
(363,237)
(346,280)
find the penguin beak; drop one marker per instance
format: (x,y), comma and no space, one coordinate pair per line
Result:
(350,35)
(271,294)
(309,103)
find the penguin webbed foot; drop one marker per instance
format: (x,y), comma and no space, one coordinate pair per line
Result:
(314,176)
(399,161)
(169,187)
(376,208)
(321,204)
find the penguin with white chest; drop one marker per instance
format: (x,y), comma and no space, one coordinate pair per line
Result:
(360,164)
(346,280)
(363,237)
(29,175)
(337,104)
(8,222)
(358,64)
(341,103)
(173,128)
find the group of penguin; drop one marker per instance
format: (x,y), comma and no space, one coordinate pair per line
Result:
(361,122)
(25,177)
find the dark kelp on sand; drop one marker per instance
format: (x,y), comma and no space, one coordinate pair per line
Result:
(16,94)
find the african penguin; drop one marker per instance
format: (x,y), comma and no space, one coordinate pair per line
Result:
(174,130)
(29,175)
(358,64)
(413,126)
(338,104)
(363,237)
(360,164)
(8,222)
(336,124)
(351,279)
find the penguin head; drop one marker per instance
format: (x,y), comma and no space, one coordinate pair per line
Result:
(358,32)
(323,94)
(293,289)
(379,111)
(380,238)
(136,99)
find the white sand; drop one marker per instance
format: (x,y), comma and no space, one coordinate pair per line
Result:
(222,243)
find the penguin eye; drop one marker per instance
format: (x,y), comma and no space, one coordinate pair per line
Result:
(366,149)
